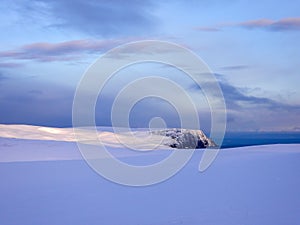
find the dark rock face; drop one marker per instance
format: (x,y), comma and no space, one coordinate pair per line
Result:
(186,139)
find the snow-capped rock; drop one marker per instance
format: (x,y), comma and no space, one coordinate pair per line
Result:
(185,138)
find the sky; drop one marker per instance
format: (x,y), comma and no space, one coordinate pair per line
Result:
(252,47)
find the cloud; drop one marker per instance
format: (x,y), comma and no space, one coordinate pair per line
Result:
(297,128)
(284,24)
(45,104)
(207,29)
(236,67)
(77,49)
(273,25)
(251,113)
(62,51)
(30,101)
(100,18)
(10,65)
(236,98)
(2,77)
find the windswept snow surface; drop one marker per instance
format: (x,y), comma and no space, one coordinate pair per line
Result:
(47,182)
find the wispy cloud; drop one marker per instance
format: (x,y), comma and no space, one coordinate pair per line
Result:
(29,101)
(237,97)
(284,24)
(248,112)
(273,25)
(235,67)
(100,18)
(296,128)
(2,77)
(10,65)
(77,49)
(208,29)
(62,51)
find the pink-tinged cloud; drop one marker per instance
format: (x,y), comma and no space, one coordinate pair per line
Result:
(63,51)
(279,25)
(208,29)
(10,65)
(285,24)
(255,23)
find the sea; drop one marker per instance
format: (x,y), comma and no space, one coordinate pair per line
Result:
(240,139)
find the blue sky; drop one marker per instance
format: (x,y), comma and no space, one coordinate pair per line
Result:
(251,46)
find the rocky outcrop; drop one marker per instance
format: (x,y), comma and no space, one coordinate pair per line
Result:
(186,138)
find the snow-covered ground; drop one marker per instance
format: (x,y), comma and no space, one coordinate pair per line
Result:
(46,182)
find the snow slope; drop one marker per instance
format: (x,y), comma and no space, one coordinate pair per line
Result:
(47,183)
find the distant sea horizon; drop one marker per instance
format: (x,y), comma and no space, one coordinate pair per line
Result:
(241,139)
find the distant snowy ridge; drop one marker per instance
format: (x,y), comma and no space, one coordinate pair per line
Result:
(36,132)
(136,139)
